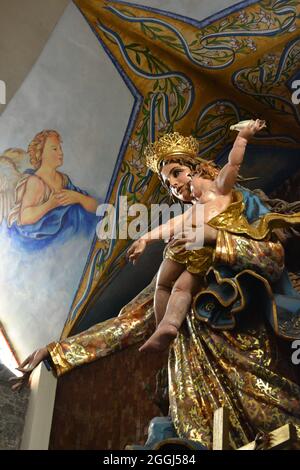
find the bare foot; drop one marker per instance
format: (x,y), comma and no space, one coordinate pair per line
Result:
(161,339)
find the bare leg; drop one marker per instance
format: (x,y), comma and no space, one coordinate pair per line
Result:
(168,273)
(177,308)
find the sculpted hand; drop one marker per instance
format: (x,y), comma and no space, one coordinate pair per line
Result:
(66,197)
(182,242)
(27,366)
(252,128)
(194,240)
(136,249)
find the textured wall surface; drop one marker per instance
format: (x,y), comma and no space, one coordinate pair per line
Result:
(13,408)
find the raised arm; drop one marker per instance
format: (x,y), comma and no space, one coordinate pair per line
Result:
(228,175)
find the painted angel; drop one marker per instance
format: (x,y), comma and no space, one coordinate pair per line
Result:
(41,203)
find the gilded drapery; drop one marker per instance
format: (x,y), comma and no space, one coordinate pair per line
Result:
(237,369)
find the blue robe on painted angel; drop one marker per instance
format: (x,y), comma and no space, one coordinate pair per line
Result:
(56,226)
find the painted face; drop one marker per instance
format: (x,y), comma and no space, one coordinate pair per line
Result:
(177,177)
(52,154)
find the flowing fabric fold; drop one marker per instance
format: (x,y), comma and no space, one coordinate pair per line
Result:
(58,225)
(237,369)
(235,219)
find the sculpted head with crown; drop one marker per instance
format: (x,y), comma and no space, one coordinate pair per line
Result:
(175,159)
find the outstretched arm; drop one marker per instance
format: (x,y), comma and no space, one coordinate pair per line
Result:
(165,231)
(228,175)
(162,232)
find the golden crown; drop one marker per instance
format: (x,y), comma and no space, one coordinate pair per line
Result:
(168,146)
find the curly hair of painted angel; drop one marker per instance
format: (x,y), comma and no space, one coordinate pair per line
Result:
(36,146)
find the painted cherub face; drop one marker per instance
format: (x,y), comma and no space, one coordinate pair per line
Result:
(52,153)
(177,177)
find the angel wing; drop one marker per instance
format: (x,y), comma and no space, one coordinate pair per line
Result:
(10,162)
